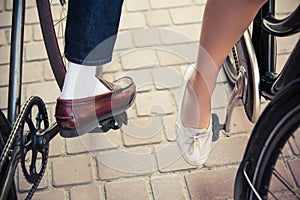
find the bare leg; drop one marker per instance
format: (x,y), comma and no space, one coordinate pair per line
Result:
(224,22)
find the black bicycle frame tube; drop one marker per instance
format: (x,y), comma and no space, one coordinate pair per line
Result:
(16,55)
(264,43)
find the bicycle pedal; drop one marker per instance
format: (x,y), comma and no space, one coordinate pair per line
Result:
(114,122)
(216,127)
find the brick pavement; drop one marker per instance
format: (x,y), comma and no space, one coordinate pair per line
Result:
(157,41)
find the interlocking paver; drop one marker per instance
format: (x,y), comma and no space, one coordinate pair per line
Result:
(145,37)
(148,104)
(169,126)
(166,78)
(72,170)
(211,184)
(169,158)
(142,160)
(93,141)
(187,15)
(168,187)
(148,130)
(132,20)
(158,18)
(157,4)
(127,190)
(139,58)
(125,163)
(31,52)
(228,150)
(4,55)
(4,75)
(86,192)
(47,195)
(137,5)
(28,76)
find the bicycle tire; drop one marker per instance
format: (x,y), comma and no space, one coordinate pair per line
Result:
(272,132)
(51,42)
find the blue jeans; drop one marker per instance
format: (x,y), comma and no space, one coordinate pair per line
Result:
(91,30)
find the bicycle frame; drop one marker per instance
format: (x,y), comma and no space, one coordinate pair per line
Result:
(265,29)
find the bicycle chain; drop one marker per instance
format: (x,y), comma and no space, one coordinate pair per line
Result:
(18,130)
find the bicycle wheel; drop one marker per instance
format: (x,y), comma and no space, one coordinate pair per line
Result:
(276,165)
(52,26)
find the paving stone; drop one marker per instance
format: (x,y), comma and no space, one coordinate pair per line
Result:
(169,126)
(125,163)
(200,1)
(155,103)
(4,75)
(5,19)
(57,145)
(37,33)
(48,74)
(48,95)
(127,190)
(94,141)
(132,20)
(143,131)
(124,40)
(239,121)
(31,16)
(72,170)
(28,76)
(4,55)
(138,59)
(35,51)
(158,18)
(170,159)
(187,33)
(157,4)
(47,195)
(169,187)
(2,37)
(286,7)
(178,54)
(142,78)
(3,97)
(281,60)
(146,37)
(166,78)
(228,150)
(137,5)
(187,15)
(91,192)
(286,44)
(211,184)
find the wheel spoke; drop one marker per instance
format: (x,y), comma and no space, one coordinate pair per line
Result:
(285,182)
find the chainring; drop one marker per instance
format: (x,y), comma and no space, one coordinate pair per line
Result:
(34,150)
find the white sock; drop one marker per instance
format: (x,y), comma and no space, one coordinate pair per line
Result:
(81,82)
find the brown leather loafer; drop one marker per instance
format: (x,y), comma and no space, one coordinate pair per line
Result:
(79,116)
